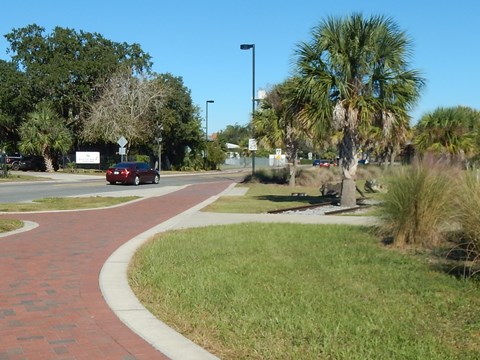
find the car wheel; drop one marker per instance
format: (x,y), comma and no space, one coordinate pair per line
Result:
(156,179)
(112,182)
(136,180)
(15,167)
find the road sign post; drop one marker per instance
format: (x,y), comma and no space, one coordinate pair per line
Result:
(122,151)
(252,146)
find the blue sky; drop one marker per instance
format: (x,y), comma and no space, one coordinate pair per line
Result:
(200,41)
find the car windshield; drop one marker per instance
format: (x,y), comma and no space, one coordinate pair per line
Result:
(124,165)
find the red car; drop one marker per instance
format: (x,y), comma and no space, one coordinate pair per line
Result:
(132,173)
(321,163)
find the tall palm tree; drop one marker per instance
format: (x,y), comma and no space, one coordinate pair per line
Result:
(355,73)
(279,123)
(449,131)
(44,133)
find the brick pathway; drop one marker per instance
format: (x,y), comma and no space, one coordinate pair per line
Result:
(51,306)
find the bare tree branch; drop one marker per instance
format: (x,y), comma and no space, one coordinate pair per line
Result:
(125,108)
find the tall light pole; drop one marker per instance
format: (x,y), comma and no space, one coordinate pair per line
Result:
(248,47)
(206,129)
(159,143)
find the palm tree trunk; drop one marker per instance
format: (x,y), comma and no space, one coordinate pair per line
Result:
(348,163)
(48,159)
(48,163)
(292,154)
(292,166)
(392,157)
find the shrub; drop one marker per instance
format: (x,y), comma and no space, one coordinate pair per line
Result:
(269,176)
(306,178)
(142,158)
(71,166)
(215,155)
(369,172)
(417,203)
(467,203)
(316,177)
(311,176)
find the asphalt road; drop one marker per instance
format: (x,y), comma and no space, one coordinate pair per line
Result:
(62,185)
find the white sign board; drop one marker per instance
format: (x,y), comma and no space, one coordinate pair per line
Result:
(87,157)
(277,160)
(252,144)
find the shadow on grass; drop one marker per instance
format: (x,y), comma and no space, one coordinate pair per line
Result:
(459,269)
(307,200)
(456,257)
(460,258)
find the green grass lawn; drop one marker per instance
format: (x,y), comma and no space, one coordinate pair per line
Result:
(10,225)
(16,178)
(293,291)
(67,203)
(49,204)
(262,198)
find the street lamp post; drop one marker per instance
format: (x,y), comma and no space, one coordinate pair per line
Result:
(248,47)
(159,143)
(206,129)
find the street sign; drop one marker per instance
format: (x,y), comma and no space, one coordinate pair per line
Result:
(122,142)
(252,144)
(122,151)
(278,151)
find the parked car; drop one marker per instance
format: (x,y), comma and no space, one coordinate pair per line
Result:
(132,173)
(321,163)
(32,162)
(13,161)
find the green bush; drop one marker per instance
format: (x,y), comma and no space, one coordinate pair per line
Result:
(418,203)
(467,203)
(192,161)
(215,155)
(71,166)
(142,158)
(269,176)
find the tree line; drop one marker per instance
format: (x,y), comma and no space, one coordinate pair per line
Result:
(350,95)
(71,90)
(351,91)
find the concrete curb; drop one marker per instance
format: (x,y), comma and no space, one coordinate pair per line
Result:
(121,299)
(27,226)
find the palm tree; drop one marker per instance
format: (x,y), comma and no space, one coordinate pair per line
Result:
(385,143)
(44,133)
(355,73)
(279,124)
(449,131)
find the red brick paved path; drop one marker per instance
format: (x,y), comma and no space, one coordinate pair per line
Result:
(51,306)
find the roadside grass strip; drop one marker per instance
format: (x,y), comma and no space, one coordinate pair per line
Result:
(296,291)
